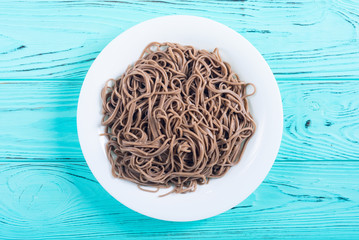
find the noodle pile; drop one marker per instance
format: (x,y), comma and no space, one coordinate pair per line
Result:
(177,117)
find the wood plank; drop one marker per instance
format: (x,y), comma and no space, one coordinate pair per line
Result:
(62,200)
(38,120)
(321,120)
(60,39)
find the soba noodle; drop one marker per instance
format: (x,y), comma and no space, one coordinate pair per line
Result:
(177,117)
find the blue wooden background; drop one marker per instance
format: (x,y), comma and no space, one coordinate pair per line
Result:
(46,188)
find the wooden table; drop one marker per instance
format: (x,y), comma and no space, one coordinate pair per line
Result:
(46,188)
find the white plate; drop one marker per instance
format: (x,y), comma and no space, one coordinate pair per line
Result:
(220,194)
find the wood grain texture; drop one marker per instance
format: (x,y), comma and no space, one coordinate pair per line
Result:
(47,190)
(60,39)
(62,200)
(38,120)
(321,120)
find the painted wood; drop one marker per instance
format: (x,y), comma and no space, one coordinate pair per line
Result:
(321,120)
(38,120)
(60,39)
(46,188)
(304,199)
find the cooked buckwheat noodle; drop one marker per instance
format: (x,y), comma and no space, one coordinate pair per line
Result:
(177,117)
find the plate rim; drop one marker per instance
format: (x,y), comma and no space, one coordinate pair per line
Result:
(82,138)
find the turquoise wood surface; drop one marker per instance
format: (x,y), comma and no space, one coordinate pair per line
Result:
(46,188)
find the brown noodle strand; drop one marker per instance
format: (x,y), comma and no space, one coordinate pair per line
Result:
(177,117)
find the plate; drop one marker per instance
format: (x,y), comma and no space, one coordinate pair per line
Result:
(220,194)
